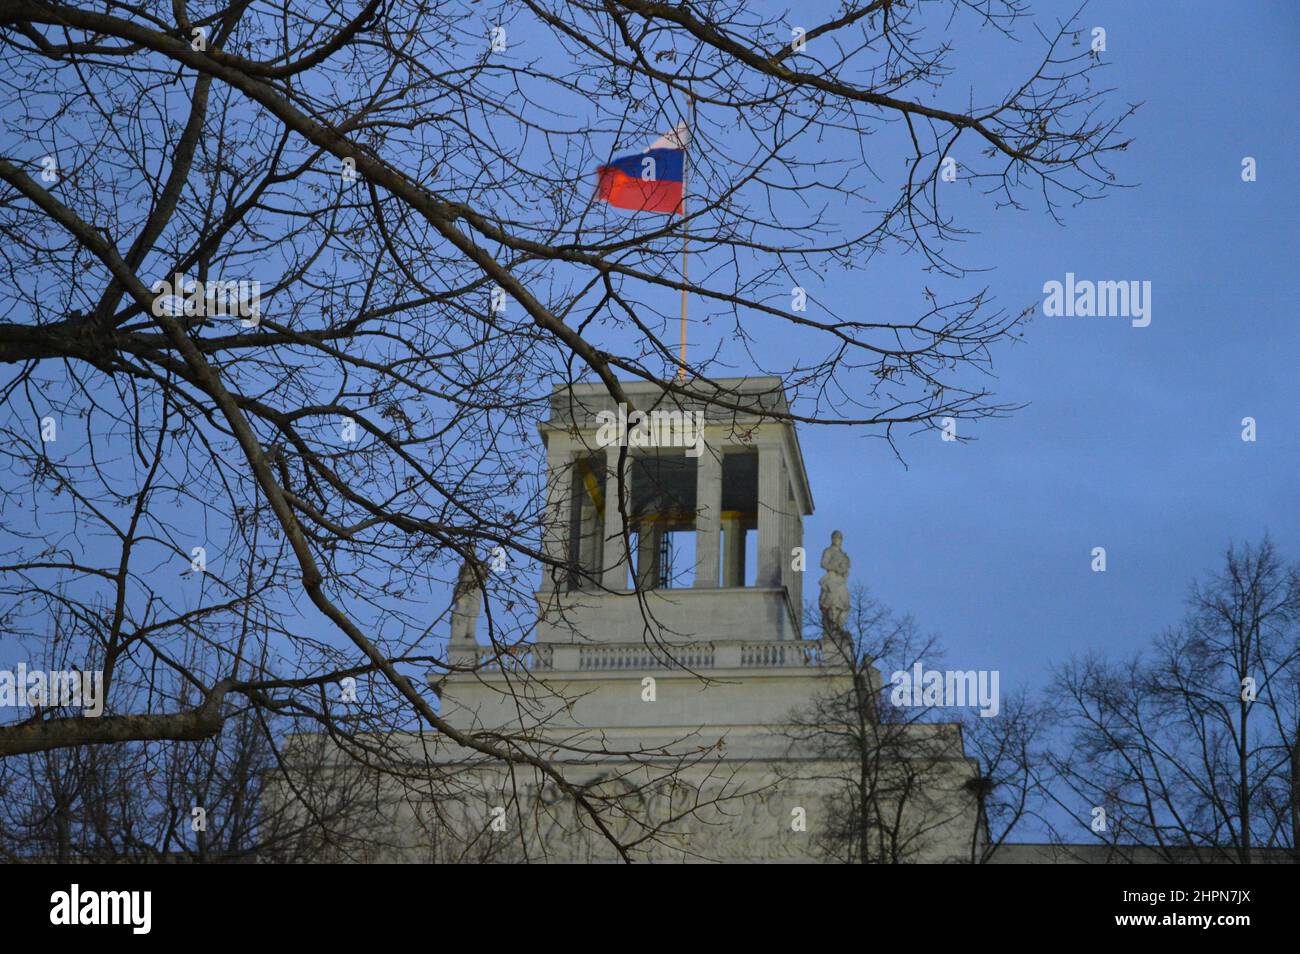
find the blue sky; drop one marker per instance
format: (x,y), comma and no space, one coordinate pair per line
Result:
(1131,439)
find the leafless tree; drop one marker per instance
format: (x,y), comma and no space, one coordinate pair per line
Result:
(196,801)
(294,486)
(1189,752)
(906,781)
(1010,755)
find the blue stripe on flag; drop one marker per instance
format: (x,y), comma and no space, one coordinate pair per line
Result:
(667,168)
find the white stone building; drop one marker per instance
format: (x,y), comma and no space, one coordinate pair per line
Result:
(674,698)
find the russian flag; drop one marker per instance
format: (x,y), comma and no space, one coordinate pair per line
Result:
(650,181)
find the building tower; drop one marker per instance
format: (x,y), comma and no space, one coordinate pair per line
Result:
(714,509)
(698,667)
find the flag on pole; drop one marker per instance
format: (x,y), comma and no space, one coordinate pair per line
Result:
(650,181)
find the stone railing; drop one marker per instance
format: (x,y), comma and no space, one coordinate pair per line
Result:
(791,652)
(637,657)
(616,657)
(528,657)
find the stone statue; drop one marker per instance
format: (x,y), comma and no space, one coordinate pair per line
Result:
(834,598)
(466,601)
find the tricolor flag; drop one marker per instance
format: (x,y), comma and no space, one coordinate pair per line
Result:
(650,181)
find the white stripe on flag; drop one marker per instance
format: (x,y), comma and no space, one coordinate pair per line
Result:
(677,139)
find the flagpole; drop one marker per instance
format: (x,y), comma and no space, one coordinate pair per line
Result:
(686,238)
(686,244)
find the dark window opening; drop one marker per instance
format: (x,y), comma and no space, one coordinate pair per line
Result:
(739,518)
(663,520)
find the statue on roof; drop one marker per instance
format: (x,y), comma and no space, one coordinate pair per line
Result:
(834,598)
(466,601)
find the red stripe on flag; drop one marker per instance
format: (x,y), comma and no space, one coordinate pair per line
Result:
(640,195)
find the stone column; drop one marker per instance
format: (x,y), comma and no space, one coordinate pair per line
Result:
(591,548)
(708,520)
(648,542)
(796,578)
(733,557)
(555,528)
(784,525)
(771,513)
(615,563)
